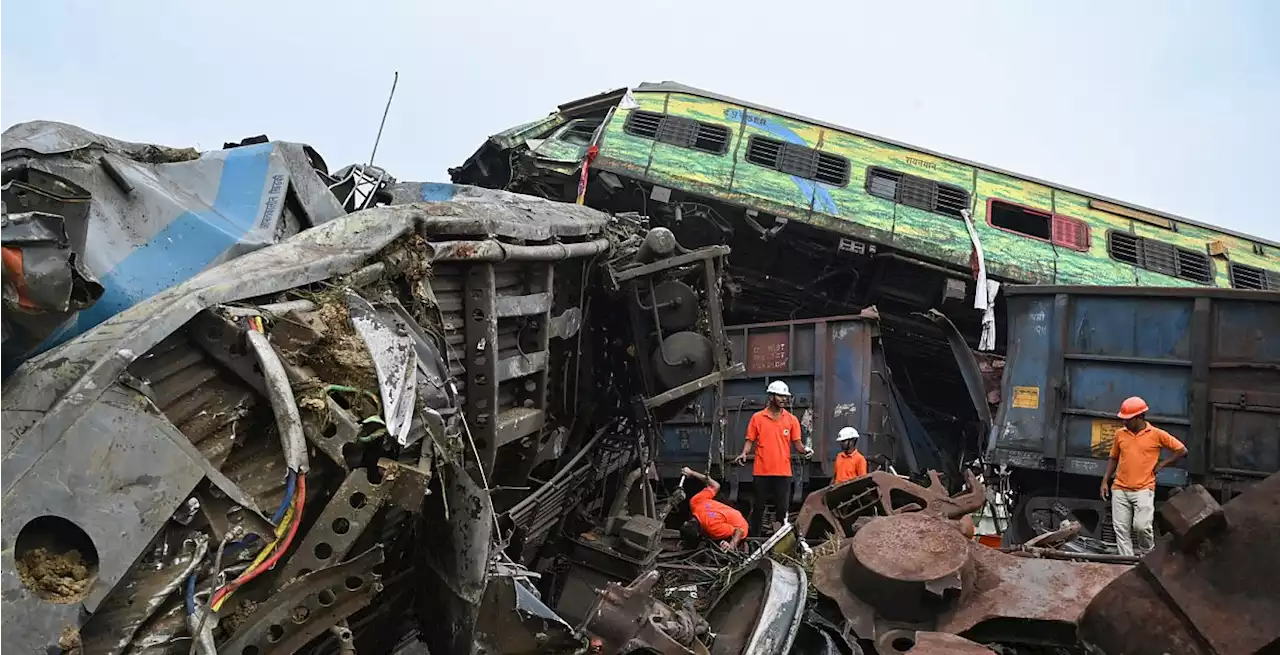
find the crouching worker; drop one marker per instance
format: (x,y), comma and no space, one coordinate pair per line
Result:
(850,463)
(711,518)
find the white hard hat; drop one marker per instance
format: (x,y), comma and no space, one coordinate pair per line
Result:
(847,434)
(778,388)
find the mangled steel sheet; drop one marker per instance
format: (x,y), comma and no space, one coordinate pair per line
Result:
(94,224)
(1211,588)
(760,611)
(835,510)
(481,300)
(916,571)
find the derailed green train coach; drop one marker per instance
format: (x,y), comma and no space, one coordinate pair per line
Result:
(824,220)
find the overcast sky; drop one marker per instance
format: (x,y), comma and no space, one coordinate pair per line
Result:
(1171,105)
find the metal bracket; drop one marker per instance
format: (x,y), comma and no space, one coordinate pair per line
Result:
(341,522)
(300,612)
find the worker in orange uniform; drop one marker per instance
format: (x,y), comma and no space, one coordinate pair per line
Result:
(716,520)
(772,432)
(850,463)
(1135,460)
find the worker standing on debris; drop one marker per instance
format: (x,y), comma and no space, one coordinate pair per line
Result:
(772,432)
(716,520)
(850,463)
(1135,460)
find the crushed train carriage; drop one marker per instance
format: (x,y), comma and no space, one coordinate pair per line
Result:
(480,380)
(826,221)
(425,391)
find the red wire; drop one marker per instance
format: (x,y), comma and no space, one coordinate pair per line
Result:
(299,498)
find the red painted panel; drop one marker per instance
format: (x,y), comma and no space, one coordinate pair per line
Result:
(768,352)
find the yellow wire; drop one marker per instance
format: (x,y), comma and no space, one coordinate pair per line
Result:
(265,552)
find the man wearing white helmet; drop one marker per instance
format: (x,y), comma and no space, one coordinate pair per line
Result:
(772,432)
(850,463)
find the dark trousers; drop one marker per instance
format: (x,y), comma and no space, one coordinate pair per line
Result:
(771,490)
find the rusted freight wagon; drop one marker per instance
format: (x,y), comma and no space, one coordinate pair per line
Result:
(1207,361)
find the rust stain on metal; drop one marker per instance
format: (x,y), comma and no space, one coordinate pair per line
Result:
(919,568)
(1217,596)
(835,509)
(768,352)
(910,548)
(1007,587)
(465,250)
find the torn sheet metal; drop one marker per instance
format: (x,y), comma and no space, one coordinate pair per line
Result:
(437,570)
(435,391)
(396,362)
(970,370)
(762,611)
(514,621)
(42,273)
(146,217)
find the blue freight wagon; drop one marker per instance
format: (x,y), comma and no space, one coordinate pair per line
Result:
(1207,361)
(836,371)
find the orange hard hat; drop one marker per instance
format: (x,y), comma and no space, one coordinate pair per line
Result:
(1132,407)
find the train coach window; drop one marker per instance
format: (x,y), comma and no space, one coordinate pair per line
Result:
(1021,220)
(1248,277)
(918,192)
(798,160)
(678,131)
(1160,257)
(578,132)
(1061,230)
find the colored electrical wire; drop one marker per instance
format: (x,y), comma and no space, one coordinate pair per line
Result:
(290,484)
(285,503)
(253,570)
(276,549)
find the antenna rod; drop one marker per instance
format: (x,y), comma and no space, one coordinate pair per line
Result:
(384,117)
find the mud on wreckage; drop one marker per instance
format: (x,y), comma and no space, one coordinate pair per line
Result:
(427,426)
(355,439)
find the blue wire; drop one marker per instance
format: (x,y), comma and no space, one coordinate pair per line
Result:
(290,486)
(191,594)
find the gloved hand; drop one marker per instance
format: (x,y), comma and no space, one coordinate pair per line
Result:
(808,452)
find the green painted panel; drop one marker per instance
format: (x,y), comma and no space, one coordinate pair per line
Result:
(621,152)
(850,210)
(1010,254)
(943,238)
(689,169)
(1094,266)
(1153,279)
(554,150)
(768,186)
(514,136)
